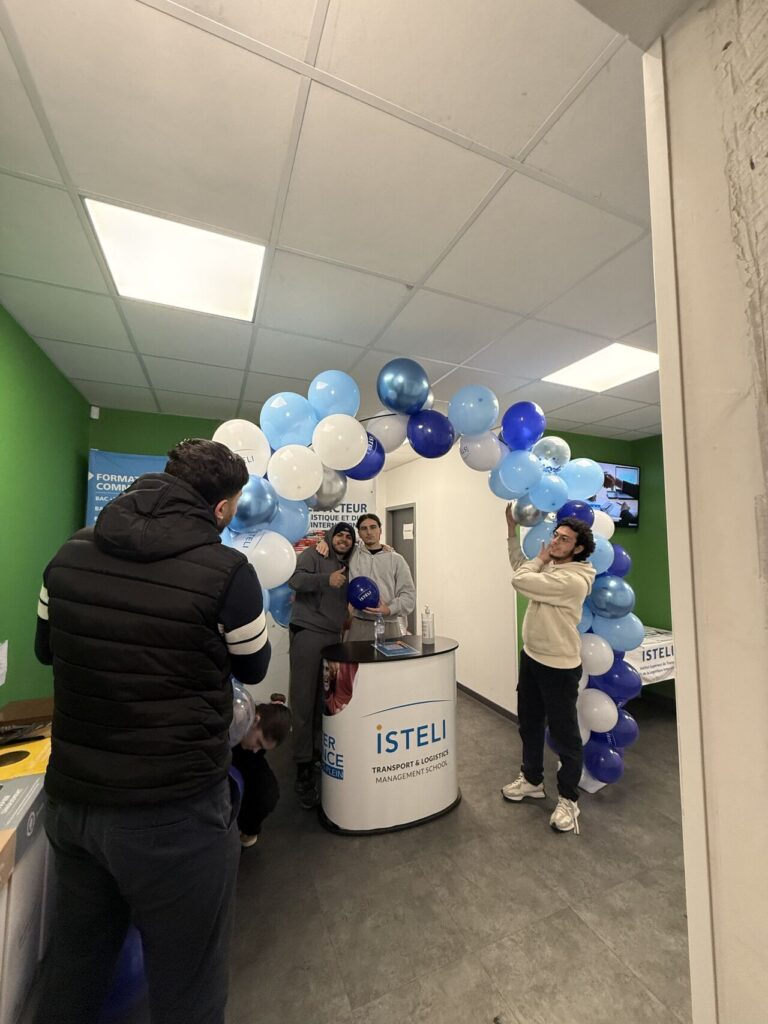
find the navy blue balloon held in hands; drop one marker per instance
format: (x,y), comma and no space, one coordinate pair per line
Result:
(363,593)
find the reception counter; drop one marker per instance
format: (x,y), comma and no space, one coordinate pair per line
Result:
(389,735)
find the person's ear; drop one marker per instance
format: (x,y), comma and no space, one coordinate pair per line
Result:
(578,549)
(220,509)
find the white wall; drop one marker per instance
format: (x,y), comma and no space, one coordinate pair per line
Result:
(462,569)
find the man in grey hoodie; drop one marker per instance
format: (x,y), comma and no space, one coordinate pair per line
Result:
(390,572)
(317,620)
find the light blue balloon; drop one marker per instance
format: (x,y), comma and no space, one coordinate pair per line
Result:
(473,410)
(292,520)
(519,471)
(281,604)
(603,555)
(498,488)
(333,391)
(265,599)
(288,418)
(257,506)
(403,386)
(227,537)
(624,634)
(538,535)
(549,493)
(583,478)
(585,624)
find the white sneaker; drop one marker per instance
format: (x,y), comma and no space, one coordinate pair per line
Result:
(521,788)
(565,817)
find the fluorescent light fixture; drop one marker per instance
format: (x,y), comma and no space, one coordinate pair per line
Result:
(162,261)
(607,368)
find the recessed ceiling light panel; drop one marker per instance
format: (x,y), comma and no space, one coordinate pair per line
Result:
(617,364)
(163,261)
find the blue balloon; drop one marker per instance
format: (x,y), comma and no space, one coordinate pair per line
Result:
(497,486)
(403,386)
(622,563)
(371,463)
(287,418)
(522,425)
(237,778)
(473,409)
(624,634)
(362,592)
(549,493)
(281,604)
(292,520)
(431,434)
(333,391)
(626,730)
(602,557)
(603,763)
(536,536)
(577,510)
(257,506)
(585,624)
(519,471)
(611,597)
(128,981)
(622,682)
(583,477)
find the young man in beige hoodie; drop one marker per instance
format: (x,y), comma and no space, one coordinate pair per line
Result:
(556,583)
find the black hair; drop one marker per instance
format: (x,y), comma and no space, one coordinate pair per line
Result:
(275,718)
(211,468)
(368,515)
(584,536)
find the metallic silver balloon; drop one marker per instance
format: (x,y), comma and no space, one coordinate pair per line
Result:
(554,452)
(526,513)
(331,491)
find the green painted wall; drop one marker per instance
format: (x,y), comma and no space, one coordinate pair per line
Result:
(43,459)
(143,433)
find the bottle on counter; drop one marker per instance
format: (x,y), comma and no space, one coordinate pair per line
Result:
(427,627)
(379,629)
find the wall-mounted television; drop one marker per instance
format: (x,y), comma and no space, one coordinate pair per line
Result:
(620,494)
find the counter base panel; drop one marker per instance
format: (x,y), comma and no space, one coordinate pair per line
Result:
(326,822)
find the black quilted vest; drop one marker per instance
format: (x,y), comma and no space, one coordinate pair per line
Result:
(142,699)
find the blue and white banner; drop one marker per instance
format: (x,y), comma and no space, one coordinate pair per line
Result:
(109,473)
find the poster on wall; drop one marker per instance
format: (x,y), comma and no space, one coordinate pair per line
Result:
(109,473)
(360,498)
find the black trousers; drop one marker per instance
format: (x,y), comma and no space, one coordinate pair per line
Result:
(168,868)
(547,696)
(306,661)
(260,792)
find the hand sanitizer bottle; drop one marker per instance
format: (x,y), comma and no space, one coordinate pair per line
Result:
(378,630)
(427,628)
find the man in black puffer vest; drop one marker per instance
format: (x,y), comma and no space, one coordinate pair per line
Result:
(144,617)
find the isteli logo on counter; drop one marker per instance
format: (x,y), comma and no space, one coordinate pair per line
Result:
(395,740)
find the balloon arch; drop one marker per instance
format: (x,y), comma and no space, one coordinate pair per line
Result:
(306,448)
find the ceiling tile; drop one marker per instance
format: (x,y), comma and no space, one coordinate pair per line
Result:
(194,378)
(601,430)
(176,404)
(400,456)
(614,300)
(283,26)
(116,396)
(180,334)
(644,389)
(280,353)
(375,192)
(22,143)
(637,419)
(529,245)
(322,300)
(461,377)
(261,386)
(442,327)
(533,349)
(42,236)
(250,411)
(645,338)
(598,145)
(597,407)
(172,118)
(62,314)
(637,435)
(417,56)
(548,396)
(555,423)
(84,362)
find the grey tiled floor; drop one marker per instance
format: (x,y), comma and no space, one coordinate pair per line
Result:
(484,916)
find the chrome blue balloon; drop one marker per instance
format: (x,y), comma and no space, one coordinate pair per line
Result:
(519,471)
(257,506)
(431,434)
(362,593)
(281,604)
(403,386)
(287,418)
(622,681)
(292,520)
(602,557)
(522,425)
(473,409)
(611,597)
(603,763)
(623,634)
(334,391)
(371,463)
(585,624)
(497,486)
(549,493)
(583,477)
(577,510)
(622,563)
(536,536)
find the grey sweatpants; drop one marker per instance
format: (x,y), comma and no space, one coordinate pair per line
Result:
(306,661)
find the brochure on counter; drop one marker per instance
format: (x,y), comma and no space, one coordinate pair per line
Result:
(395,649)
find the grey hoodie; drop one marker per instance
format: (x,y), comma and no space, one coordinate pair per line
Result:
(391,574)
(319,606)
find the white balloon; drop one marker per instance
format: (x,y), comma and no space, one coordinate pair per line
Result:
(482,452)
(388,427)
(583,681)
(603,525)
(596,654)
(271,555)
(340,441)
(248,441)
(597,712)
(295,472)
(553,451)
(585,732)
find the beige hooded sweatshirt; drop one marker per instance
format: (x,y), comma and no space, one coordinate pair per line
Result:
(556,594)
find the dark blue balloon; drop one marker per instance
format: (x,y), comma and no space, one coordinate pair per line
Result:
(626,730)
(281,604)
(612,597)
(603,763)
(622,563)
(522,425)
(128,981)
(371,463)
(431,434)
(577,510)
(403,386)
(362,592)
(237,778)
(621,682)
(257,505)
